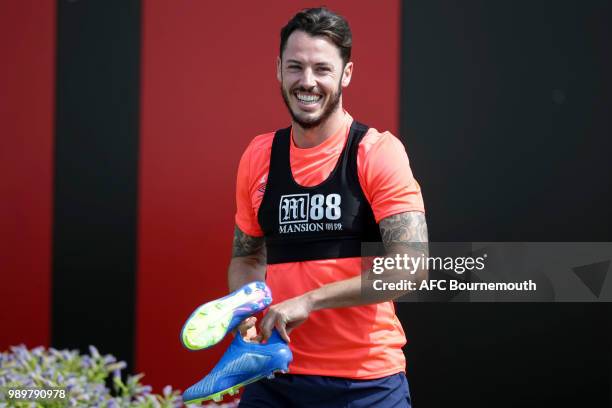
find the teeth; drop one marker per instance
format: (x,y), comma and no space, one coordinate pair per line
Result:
(308,98)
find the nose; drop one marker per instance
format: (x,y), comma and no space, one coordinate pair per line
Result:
(307,80)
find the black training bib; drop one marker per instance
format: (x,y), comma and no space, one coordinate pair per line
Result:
(326,221)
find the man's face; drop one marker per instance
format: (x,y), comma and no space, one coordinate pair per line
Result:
(312,75)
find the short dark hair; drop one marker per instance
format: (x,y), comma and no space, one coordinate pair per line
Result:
(324,23)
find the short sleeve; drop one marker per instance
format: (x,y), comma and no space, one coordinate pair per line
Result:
(246,218)
(386,177)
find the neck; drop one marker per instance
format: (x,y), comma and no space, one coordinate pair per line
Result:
(306,138)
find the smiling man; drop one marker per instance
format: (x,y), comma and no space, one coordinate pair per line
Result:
(307,197)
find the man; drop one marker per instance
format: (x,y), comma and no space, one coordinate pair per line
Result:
(306,198)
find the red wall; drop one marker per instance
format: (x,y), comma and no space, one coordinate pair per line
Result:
(27,92)
(203,65)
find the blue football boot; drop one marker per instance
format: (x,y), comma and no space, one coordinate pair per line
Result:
(243,363)
(210,322)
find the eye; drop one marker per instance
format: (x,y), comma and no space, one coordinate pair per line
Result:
(324,69)
(293,67)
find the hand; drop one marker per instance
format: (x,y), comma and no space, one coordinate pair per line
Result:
(285,316)
(247,329)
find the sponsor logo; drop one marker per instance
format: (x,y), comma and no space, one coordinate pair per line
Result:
(303,213)
(293,208)
(310,227)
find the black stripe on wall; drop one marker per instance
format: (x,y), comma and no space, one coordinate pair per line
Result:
(505,110)
(507,106)
(96,162)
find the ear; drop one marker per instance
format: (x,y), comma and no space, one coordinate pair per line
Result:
(278,69)
(347,74)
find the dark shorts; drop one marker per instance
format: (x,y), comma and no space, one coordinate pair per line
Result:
(311,391)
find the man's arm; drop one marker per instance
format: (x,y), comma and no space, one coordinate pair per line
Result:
(248,261)
(404,233)
(248,264)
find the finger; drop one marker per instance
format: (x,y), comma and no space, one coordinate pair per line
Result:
(241,327)
(280,326)
(266,325)
(246,325)
(292,325)
(251,334)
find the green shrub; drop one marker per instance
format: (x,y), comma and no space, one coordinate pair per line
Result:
(90,380)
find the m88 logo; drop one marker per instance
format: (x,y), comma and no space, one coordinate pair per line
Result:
(295,208)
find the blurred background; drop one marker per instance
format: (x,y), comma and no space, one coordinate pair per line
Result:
(121,127)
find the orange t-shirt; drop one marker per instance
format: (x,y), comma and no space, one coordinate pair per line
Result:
(361,342)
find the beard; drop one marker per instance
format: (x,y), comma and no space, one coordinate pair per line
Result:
(328,109)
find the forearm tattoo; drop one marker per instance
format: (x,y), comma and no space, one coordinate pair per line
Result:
(408,230)
(246,245)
